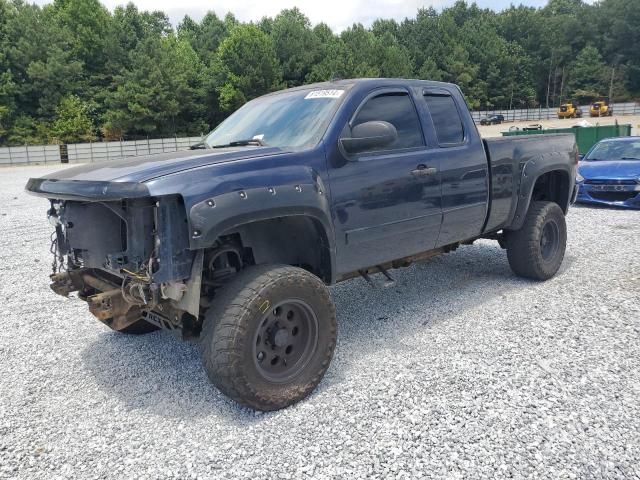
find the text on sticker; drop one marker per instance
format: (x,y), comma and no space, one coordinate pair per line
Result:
(324,94)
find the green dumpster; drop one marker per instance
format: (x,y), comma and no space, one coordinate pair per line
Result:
(586,137)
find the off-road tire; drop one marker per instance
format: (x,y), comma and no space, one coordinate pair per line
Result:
(525,249)
(233,323)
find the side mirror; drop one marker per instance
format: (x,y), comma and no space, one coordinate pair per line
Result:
(370,136)
(581,157)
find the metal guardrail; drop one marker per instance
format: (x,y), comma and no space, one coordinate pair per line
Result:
(93,151)
(525,114)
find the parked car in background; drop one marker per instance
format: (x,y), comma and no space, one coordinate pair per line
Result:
(569,110)
(600,109)
(609,173)
(492,120)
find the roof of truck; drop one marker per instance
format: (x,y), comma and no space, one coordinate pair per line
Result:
(382,82)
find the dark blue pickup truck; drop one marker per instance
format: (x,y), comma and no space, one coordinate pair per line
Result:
(234,242)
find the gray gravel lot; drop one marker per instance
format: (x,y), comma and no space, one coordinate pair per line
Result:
(461,370)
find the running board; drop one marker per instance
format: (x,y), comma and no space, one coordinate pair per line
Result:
(389,280)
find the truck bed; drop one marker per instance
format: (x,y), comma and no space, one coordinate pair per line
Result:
(509,158)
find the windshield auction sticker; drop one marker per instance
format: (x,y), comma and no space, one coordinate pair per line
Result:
(324,94)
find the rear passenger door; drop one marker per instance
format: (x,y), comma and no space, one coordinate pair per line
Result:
(463,166)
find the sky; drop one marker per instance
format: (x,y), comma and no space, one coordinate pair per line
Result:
(338,14)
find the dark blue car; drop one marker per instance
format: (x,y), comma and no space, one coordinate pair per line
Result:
(609,174)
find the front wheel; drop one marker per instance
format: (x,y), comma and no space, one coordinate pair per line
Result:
(537,249)
(269,337)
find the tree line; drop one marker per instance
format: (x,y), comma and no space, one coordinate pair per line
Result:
(74,71)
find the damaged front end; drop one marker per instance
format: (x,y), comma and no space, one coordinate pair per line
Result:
(129,260)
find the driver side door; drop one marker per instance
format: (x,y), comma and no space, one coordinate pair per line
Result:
(386,202)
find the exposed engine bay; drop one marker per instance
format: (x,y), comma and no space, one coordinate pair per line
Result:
(130,261)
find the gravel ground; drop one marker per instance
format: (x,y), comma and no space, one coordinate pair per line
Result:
(461,370)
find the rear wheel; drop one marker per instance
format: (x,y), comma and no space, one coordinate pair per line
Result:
(537,249)
(269,337)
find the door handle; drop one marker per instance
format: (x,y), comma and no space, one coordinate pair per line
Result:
(424,171)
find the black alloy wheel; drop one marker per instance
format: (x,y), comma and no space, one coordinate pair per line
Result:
(286,340)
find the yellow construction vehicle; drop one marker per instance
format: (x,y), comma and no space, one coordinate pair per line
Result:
(600,109)
(569,110)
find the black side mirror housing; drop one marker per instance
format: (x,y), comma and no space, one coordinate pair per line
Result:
(369,136)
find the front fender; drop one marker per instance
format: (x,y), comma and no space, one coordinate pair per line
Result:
(220,197)
(213,216)
(290,195)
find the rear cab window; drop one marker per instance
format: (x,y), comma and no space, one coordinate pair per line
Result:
(446,119)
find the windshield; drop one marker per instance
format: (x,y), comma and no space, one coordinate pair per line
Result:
(286,120)
(625,150)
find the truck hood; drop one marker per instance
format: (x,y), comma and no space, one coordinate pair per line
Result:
(147,167)
(610,169)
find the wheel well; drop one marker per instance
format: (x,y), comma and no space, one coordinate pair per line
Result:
(294,240)
(553,187)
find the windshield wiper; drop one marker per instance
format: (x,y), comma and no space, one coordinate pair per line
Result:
(629,158)
(199,146)
(242,143)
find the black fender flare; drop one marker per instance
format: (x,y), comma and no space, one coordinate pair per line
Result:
(218,214)
(532,170)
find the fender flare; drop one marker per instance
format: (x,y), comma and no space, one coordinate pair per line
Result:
(531,172)
(218,214)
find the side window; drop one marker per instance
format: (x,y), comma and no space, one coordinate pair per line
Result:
(397,109)
(446,119)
